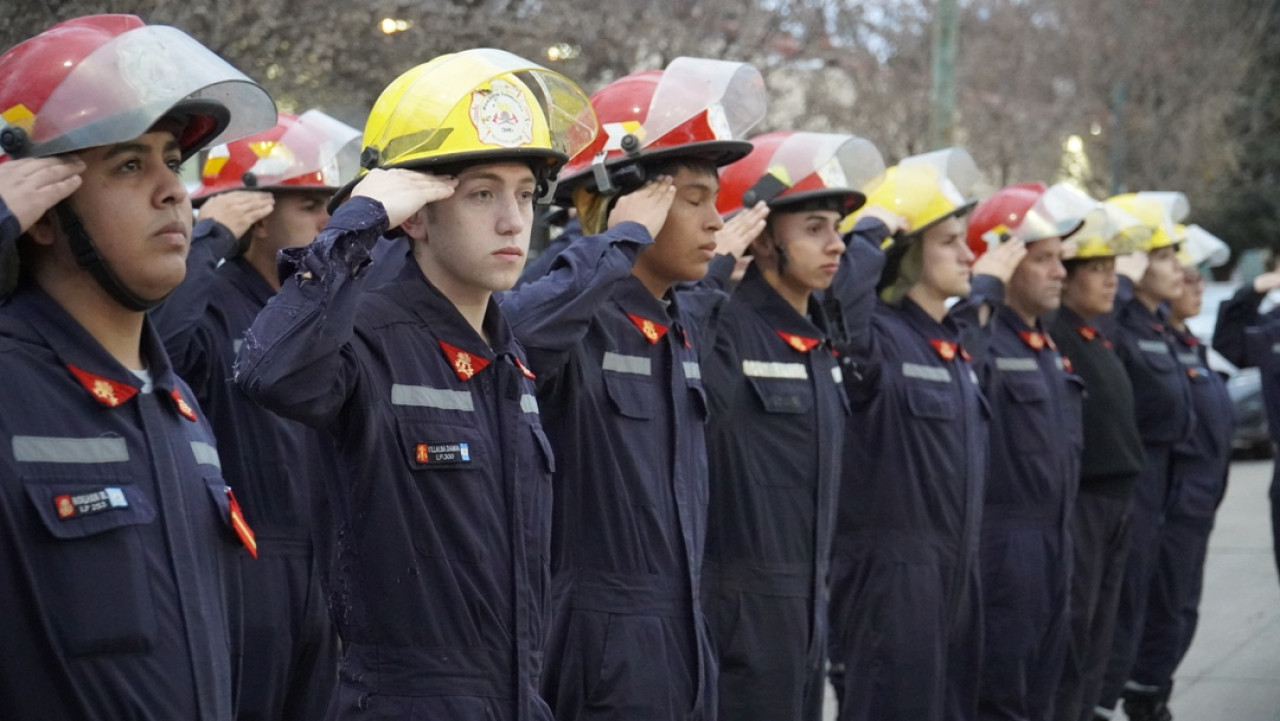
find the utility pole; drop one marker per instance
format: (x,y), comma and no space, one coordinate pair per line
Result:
(946,28)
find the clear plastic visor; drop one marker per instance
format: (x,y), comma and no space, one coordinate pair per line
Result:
(1203,247)
(952,168)
(840,161)
(315,144)
(731,93)
(121,89)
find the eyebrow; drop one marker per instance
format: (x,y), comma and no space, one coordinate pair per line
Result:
(703,186)
(487,175)
(125,148)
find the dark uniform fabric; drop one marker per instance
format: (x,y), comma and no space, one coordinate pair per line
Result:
(541,264)
(1036,439)
(280,470)
(1199,470)
(1248,339)
(775,441)
(1162,398)
(621,388)
(116,589)
(906,611)
(1111,459)
(443,523)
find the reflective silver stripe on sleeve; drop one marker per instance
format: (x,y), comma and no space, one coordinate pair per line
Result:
(235,345)
(529,403)
(926,373)
(692,370)
(773,369)
(1153,346)
(836,374)
(45,449)
(633,364)
(206,454)
(425,397)
(1189,359)
(1017,364)
(1276,349)
(1058,362)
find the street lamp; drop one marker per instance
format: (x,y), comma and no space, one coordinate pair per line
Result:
(390,26)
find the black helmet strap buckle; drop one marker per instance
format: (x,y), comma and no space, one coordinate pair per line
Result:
(766,188)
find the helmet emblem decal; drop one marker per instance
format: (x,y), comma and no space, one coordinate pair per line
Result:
(501,115)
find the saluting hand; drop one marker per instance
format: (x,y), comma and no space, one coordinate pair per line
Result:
(403,192)
(738,232)
(238,210)
(31,186)
(891,220)
(647,206)
(1001,260)
(1267,282)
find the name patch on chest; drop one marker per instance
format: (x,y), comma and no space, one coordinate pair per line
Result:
(84,504)
(442,453)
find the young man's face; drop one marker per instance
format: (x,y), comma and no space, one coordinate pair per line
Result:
(1036,285)
(1090,289)
(137,211)
(1189,304)
(946,259)
(1163,279)
(812,247)
(477,239)
(687,241)
(295,220)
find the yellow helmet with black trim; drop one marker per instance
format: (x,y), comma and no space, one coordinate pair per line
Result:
(1161,211)
(481,105)
(924,189)
(1107,230)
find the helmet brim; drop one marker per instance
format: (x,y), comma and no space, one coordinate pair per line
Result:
(848,199)
(719,152)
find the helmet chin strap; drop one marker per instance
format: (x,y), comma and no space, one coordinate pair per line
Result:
(87,257)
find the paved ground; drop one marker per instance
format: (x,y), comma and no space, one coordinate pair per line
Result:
(1232,672)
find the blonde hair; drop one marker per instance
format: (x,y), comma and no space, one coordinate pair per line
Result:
(593,210)
(907,274)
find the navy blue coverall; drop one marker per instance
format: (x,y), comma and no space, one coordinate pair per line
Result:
(621,391)
(1248,338)
(1199,470)
(775,442)
(1162,399)
(1110,461)
(117,588)
(906,614)
(281,470)
(443,526)
(1031,490)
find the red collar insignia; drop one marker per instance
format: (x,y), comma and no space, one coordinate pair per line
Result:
(106,391)
(1035,341)
(1191,340)
(1087,332)
(183,408)
(1066,365)
(651,330)
(946,349)
(525,369)
(464,364)
(799,342)
(241,526)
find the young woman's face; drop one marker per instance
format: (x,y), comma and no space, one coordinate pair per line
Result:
(946,259)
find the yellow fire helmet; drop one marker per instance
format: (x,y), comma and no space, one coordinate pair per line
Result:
(481,105)
(925,189)
(1200,247)
(1107,230)
(1161,211)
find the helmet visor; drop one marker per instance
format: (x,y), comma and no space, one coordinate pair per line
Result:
(122,88)
(732,94)
(315,145)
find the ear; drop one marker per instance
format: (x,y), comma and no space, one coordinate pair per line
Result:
(765,248)
(415,226)
(46,230)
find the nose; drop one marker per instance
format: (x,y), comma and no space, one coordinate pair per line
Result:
(714,221)
(510,220)
(169,188)
(966,253)
(835,244)
(1058,271)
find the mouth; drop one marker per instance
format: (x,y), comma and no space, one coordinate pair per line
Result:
(708,249)
(173,231)
(510,253)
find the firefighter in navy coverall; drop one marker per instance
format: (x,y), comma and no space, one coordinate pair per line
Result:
(1112,454)
(279,467)
(443,525)
(1162,397)
(119,534)
(616,348)
(776,435)
(905,608)
(1249,338)
(1199,471)
(1034,461)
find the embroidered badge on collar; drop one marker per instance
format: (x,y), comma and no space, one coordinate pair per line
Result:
(182,406)
(1066,365)
(799,342)
(240,525)
(1087,332)
(525,370)
(651,330)
(465,365)
(106,391)
(946,349)
(1035,341)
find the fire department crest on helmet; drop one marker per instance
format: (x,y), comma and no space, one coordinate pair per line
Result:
(501,115)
